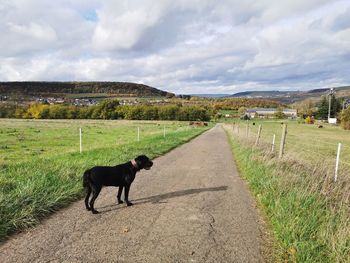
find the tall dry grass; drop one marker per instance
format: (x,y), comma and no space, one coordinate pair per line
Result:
(308,211)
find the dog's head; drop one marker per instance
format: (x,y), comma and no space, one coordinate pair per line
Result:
(143,162)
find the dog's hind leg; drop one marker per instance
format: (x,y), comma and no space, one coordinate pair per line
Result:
(120,194)
(95,192)
(88,192)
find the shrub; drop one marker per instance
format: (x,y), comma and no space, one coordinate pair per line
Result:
(136,113)
(58,112)
(345,118)
(168,112)
(106,110)
(309,120)
(279,114)
(245,117)
(85,112)
(7,111)
(37,111)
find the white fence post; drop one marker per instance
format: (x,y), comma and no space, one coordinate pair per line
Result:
(273,143)
(138,134)
(337,163)
(81,140)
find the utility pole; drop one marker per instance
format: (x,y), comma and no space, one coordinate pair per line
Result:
(331,92)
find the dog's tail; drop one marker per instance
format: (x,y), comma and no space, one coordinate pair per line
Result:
(86,178)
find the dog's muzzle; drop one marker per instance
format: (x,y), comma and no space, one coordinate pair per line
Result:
(148,167)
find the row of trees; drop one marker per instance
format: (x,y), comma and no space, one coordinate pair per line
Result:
(320,109)
(309,108)
(109,109)
(323,107)
(237,103)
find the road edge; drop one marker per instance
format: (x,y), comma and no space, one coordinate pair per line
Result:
(268,247)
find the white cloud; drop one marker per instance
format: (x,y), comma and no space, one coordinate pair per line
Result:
(180,46)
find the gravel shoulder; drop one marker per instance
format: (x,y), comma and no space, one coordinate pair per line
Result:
(190,207)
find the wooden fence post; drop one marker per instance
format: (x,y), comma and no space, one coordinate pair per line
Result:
(258,136)
(283,140)
(273,143)
(337,163)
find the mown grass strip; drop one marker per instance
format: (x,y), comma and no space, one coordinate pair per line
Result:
(30,190)
(306,226)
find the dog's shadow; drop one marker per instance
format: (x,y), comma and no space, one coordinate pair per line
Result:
(159,198)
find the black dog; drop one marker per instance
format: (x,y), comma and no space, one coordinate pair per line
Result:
(121,175)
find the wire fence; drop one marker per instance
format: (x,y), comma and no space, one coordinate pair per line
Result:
(334,156)
(22,141)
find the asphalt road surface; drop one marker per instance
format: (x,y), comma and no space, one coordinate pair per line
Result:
(190,207)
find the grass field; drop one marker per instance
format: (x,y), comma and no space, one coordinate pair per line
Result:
(308,211)
(304,142)
(41,167)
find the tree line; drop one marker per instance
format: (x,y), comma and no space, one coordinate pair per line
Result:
(236,103)
(108,109)
(309,110)
(320,109)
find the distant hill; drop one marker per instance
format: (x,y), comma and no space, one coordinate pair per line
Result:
(292,96)
(39,88)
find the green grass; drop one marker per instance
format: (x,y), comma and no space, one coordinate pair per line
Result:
(41,167)
(307,225)
(305,142)
(228,112)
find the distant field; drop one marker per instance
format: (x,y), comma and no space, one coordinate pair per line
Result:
(87,95)
(41,167)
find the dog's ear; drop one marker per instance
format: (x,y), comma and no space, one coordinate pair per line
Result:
(142,158)
(139,160)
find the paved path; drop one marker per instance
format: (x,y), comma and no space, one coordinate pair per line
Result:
(190,207)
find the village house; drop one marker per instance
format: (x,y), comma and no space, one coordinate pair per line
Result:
(269,112)
(84,102)
(50,100)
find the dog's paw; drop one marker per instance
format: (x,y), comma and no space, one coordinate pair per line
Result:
(88,208)
(120,202)
(95,212)
(129,204)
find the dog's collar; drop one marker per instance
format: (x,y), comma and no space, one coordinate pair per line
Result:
(134,163)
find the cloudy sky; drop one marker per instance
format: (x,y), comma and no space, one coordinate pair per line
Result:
(182,46)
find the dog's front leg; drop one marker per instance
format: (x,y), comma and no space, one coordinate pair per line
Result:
(126,193)
(120,194)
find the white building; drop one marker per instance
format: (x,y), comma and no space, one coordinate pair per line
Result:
(269,112)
